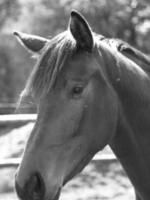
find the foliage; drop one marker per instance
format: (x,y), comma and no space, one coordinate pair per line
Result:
(126,19)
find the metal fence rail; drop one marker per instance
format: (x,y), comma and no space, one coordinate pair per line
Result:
(20,119)
(14,162)
(10,108)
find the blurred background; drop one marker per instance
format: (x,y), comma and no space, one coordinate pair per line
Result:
(125,19)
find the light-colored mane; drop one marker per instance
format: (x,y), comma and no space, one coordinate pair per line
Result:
(50,63)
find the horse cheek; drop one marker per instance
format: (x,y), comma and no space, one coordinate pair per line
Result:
(104,116)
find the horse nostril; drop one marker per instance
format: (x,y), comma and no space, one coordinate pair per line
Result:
(34,188)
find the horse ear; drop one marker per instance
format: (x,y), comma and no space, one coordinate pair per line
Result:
(81,31)
(32,43)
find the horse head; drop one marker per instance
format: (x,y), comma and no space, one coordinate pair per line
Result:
(77,109)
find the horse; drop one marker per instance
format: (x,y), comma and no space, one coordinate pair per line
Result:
(90,92)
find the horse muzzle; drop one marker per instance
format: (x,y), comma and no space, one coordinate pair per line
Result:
(35,189)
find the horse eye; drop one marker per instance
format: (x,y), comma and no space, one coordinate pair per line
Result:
(77,90)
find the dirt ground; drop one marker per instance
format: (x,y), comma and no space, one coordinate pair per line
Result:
(103,180)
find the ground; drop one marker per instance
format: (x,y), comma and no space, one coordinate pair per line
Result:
(100,180)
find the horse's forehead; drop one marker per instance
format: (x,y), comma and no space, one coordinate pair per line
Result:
(81,65)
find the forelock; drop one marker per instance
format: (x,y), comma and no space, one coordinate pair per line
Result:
(49,65)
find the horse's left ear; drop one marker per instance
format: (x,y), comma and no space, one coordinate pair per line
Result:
(32,43)
(81,31)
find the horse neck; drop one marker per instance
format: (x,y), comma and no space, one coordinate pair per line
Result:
(131,143)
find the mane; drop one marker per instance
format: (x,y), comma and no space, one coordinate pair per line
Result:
(50,63)
(128,51)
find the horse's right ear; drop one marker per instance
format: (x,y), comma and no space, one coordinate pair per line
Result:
(32,43)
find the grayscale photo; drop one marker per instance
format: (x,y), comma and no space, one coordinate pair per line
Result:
(75,100)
